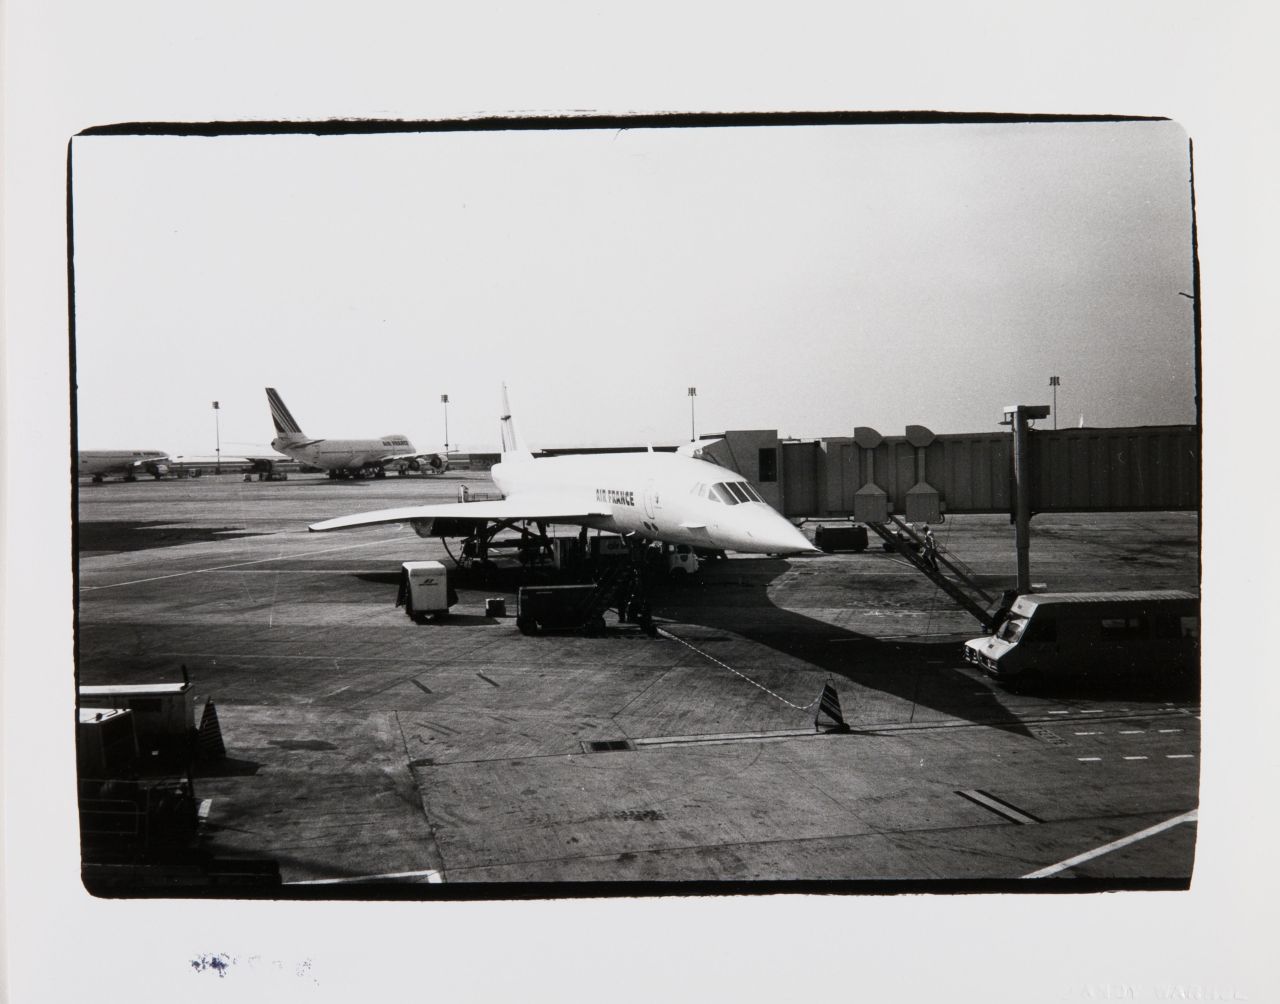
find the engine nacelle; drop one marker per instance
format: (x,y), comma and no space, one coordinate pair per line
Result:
(422,527)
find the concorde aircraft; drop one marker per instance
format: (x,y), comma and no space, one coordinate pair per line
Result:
(128,464)
(674,498)
(347,458)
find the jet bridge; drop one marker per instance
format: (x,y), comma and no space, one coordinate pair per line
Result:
(922,476)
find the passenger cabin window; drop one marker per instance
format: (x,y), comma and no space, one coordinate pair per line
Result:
(1124,627)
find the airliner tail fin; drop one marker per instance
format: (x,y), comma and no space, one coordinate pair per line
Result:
(513,448)
(286,425)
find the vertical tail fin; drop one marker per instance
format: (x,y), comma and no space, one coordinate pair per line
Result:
(513,448)
(286,425)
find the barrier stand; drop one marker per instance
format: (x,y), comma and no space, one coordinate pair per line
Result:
(829,705)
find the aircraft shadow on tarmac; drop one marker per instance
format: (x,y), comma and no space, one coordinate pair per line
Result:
(113,536)
(928,674)
(723,596)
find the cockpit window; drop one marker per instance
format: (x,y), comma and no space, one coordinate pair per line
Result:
(722,494)
(751,492)
(739,492)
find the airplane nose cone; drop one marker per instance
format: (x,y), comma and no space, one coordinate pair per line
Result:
(774,535)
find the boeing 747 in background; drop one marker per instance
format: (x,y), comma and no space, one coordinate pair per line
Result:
(127,464)
(347,458)
(672,498)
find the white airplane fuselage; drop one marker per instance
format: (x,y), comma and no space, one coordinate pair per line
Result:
(126,463)
(660,496)
(341,454)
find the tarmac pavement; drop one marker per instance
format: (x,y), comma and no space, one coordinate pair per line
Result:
(367,750)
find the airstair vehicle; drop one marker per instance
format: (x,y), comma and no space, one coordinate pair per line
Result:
(946,571)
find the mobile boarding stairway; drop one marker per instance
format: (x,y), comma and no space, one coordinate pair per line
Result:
(952,576)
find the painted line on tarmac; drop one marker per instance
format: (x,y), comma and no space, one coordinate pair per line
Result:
(430,874)
(238,564)
(1115,845)
(998,805)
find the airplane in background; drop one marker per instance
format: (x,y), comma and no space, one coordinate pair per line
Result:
(348,458)
(128,464)
(673,498)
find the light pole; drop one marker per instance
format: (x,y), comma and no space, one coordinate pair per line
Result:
(444,400)
(693,434)
(1053,382)
(217,432)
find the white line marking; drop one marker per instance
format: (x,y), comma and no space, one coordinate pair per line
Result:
(1179,756)
(1137,758)
(1133,732)
(238,564)
(1171,730)
(1059,712)
(430,874)
(1093,711)
(1088,759)
(1088,733)
(1150,831)
(998,807)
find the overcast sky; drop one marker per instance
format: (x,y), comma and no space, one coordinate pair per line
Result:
(803,278)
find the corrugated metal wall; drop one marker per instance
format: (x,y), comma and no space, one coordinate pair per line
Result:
(1155,467)
(1150,467)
